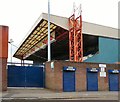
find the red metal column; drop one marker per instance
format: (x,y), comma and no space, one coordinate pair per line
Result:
(78,40)
(71,37)
(75,37)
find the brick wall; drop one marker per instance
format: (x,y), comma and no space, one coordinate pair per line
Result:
(49,77)
(54,77)
(3,63)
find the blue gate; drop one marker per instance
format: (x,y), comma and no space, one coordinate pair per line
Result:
(25,76)
(68,79)
(92,79)
(113,80)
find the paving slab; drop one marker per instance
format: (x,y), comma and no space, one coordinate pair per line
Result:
(41,93)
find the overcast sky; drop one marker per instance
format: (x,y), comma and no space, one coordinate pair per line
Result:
(20,15)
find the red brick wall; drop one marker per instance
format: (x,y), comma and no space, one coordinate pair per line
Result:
(3,74)
(54,77)
(49,76)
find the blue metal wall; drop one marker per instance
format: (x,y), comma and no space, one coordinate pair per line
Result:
(108,51)
(16,76)
(25,76)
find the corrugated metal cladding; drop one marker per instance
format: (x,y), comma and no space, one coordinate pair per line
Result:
(109,51)
(92,79)
(114,80)
(4,41)
(22,76)
(68,79)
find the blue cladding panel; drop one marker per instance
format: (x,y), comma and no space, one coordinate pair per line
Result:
(109,51)
(68,81)
(16,76)
(34,77)
(21,76)
(92,81)
(113,82)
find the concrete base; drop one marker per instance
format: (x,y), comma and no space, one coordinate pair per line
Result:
(38,93)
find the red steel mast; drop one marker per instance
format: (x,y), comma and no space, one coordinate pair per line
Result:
(75,36)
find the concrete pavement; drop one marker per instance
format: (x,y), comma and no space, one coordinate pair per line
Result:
(39,93)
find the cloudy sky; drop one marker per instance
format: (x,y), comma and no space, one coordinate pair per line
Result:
(20,15)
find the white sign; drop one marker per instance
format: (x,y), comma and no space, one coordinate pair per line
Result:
(70,68)
(102,69)
(115,71)
(102,74)
(93,70)
(52,65)
(102,65)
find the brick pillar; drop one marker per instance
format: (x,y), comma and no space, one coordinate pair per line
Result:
(3,57)
(103,84)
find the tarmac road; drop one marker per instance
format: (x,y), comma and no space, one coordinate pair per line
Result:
(38,100)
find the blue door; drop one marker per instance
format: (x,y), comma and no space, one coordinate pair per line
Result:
(113,81)
(68,81)
(92,80)
(25,76)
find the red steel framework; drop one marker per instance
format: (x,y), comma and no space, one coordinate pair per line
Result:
(71,37)
(75,38)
